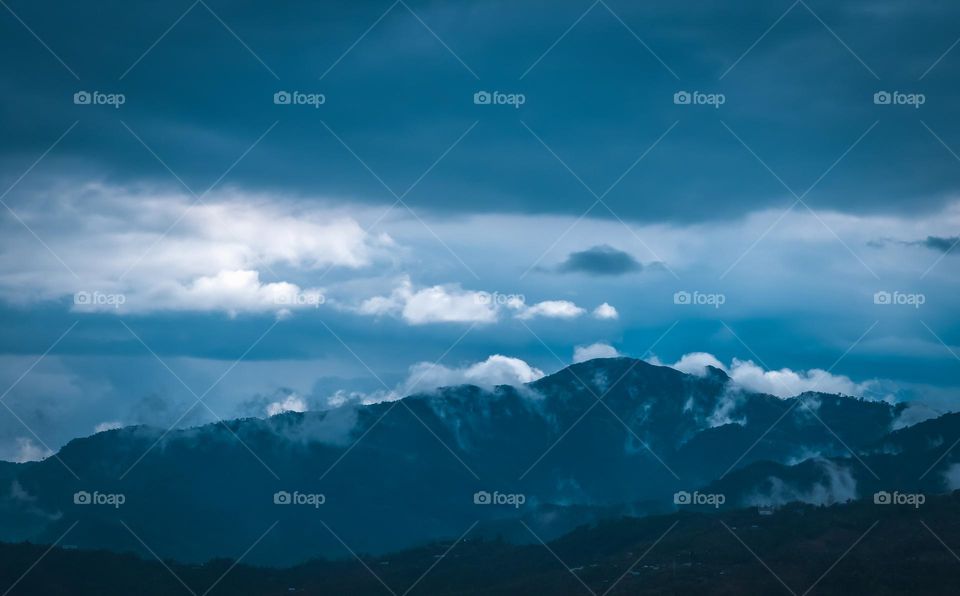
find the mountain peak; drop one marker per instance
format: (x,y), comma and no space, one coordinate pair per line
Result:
(619,366)
(612,368)
(712,372)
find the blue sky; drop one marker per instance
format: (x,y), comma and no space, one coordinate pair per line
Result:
(200,239)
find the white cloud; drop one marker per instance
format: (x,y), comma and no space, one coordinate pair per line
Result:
(597,350)
(495,370)
(695,363)
(787,383)
(28,450)
(436,304)
(427,376)
(291,403)
(951,477)
(553,309)
(836,485)
(440,305)
(782,383)
(914,413)
(105,426)
(342,397)
(162,251)
(605,312)
(233,292)
(452,304)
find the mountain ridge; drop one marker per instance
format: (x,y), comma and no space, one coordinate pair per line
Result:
(381,466)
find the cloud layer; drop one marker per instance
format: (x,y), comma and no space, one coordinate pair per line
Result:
(596,350)
(782,383)
(110,248)
(495,370)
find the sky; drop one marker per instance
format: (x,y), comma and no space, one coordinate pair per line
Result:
(220,209)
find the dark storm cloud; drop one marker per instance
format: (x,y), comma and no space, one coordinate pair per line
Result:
(399,99)
(938,243)
(600,260)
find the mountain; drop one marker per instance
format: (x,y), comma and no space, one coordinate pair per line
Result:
(853,548)
(397,474)
(912,460)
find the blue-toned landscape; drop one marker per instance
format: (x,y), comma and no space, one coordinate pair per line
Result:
(470,297)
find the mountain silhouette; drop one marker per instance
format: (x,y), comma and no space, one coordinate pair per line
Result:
(596,440)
